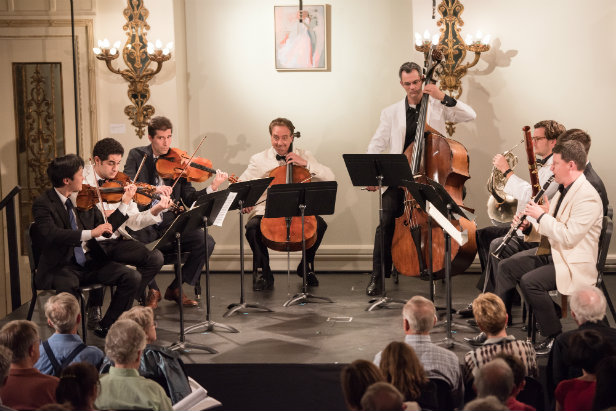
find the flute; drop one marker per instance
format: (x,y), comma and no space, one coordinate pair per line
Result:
(513,229)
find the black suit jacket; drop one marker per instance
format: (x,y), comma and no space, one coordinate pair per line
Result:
(54,236)
(594,179)
(183,190)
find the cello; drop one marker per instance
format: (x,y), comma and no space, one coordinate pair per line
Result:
(416,243)
(285,233)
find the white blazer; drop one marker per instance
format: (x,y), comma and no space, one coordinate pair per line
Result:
(574,235)
(389,135)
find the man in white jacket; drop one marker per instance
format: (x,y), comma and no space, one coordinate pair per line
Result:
(396,131)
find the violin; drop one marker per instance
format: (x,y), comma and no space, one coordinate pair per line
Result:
(177,163)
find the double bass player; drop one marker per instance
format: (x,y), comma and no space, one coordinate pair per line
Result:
(396,131)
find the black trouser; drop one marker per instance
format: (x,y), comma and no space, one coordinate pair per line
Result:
(260,255)
(393,208)
(537,276)
(126,280)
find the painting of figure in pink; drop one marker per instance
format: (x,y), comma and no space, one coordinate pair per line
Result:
(300,45)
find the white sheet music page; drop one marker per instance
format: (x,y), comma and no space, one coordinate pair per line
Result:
(225,207)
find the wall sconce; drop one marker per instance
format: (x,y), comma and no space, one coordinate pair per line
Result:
(454,49)
(137,53)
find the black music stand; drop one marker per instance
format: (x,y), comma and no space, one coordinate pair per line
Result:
(211,205)
(247,194)
(300,200)
(442,208)
(378,170)
(189,220)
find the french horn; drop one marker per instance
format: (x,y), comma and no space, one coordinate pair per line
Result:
(501,206)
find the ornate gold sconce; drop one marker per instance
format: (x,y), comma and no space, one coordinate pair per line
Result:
(137,53)
(453,48)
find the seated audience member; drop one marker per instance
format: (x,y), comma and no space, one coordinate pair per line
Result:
(588,307)
(26,388)
(157,363)
(401,368)
(419,316)
(490,403)
(123,387)
(5,364)
(489,311)
(355,378)
(78,386)
(517,368)
(382,396)
(65,346)
(605,395)
(586,349)
(494,378)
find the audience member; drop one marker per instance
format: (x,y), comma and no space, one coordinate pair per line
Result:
(123,387)
(489,311)
(78,386)
(382,396)
(5,364)
(401,367)
(157,363)
(519,381)
(418,318)
(26,388)
(586,349)
(355,378)
(605,395)
(65,346)
(588,308)
(486,403)
(494,378)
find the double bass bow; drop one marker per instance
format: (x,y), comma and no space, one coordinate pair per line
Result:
(432,156)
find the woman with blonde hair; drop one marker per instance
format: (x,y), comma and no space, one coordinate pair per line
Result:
(401,367)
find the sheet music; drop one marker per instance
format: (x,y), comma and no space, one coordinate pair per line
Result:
(461,237)
(225,207)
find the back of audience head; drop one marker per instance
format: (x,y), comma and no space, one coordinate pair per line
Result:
(490,313)
(144,316)
(494,378)
(587,348)
(419,315)
(22,338)
(62,312)
(401,367)
(78,386)
(6,355)
(382,396)
(355,379)
(485,403)
(518,370)
(605,395)
(588,304)
(125,342)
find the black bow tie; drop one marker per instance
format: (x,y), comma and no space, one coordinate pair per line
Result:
(101,181)
(279,157)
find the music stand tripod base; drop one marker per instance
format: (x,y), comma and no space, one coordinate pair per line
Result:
(242,307)
(185,347)
(304,297)
(383,301)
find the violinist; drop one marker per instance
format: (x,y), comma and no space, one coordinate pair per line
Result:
(63,233)
(160,135)
(281,135)
(121,247)
(396,131)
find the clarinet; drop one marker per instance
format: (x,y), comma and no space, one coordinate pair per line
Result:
(512,230)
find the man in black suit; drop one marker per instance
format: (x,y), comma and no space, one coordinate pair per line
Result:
(61,233)
(193,242)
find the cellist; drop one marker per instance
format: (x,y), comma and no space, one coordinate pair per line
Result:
(396,131)
(281,134)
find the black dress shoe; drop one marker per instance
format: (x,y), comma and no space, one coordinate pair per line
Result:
(544,347)
(472,322)
(101,331)
(311,279)
(375,287)
(466,312)
(258,281)
(94,317)
(477,340)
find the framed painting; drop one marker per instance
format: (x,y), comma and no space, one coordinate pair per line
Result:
(300,45)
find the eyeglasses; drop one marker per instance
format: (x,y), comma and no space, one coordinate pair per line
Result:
(538,138)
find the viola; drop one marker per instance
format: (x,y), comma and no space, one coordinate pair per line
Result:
(177,163)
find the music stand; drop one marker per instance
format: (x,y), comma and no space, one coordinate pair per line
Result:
(380,170)
(247,194)
(211,205)
(300,200)
(189,220)
(436,201)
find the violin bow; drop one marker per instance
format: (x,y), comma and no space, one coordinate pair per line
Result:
(139,169)
(188,163)
(98,194)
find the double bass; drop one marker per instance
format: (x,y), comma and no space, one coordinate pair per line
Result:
(285,233)
(432,157)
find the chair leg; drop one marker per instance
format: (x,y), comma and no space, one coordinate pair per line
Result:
(82,305)
(32,304)
(609,300)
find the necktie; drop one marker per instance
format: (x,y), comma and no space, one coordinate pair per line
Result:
(80,257)
(281,158)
